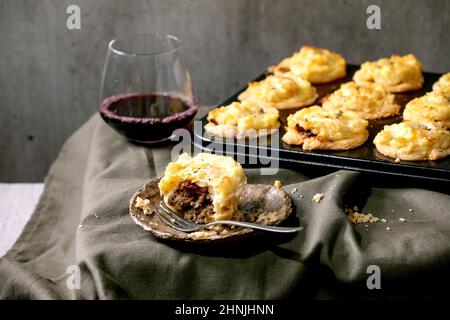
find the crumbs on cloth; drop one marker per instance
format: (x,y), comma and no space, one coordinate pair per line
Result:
(317,197)
(357,217)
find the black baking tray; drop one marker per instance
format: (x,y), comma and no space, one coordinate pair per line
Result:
(364,158)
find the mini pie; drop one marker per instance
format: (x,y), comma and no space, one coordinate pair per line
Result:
(396,74)
(313,64)
(242,119)
(203,188)
(442,86)
(281,92)
(413,141)
(317,128)
(372,102)
(432,107)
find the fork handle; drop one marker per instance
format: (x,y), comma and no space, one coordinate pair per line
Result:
(256,226)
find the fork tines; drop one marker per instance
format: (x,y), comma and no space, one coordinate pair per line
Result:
(171,218)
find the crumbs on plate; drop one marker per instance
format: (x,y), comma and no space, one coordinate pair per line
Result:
(143,204)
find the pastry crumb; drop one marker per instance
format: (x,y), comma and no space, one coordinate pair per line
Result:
(80,226)
(317,197)
(203,234)
(356,217)
(277,184)
(267,218)
(383,220)
(401,219)
(410,210)
(294,190)
(388,228)
(143,204)
(301,196)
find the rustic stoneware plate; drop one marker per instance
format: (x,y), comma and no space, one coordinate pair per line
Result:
(255,199)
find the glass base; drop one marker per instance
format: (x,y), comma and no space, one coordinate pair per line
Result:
(151,142)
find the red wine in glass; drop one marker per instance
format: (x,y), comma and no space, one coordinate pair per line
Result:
(147,117)
(146,91)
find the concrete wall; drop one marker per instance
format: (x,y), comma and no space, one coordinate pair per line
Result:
(50,76)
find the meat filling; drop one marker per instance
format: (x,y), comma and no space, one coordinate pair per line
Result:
(307,133)
(284,69)
(192,202)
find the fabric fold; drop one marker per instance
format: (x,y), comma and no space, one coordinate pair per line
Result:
(82,220)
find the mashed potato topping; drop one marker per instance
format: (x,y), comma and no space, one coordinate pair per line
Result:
(326,125)
(313,64)
(223,177)
(442,86)
(413,139)
(432,107)
(391,72)
(368,102)
(245,115)
(276,89)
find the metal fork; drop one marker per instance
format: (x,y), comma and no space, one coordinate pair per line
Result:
(175,221)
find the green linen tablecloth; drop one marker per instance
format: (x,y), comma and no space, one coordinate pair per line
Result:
(82,220)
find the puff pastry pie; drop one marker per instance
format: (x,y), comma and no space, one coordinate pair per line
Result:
(396,74)
(413,141)
(372,102)
(317,128)
(313,64)
(203,188)
(442,86)
(242,119)
(281,92)
(432,107)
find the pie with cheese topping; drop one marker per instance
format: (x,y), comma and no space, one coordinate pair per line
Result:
(432,107)
(204,188)
(281,92)
(313,64)
(317,128)
(372,102)
(413,141)
(442,86)
(243,119)
(396,74)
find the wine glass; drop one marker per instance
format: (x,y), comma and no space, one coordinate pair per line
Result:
(146,91)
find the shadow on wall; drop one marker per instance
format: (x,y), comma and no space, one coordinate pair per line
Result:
(51,75)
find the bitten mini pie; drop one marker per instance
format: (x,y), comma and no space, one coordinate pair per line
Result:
(413,141)
(372,102)
(281,92)
(313,64)
(432,107)
(396,74)
(317,128)
(442,86)
(242,119)
(203,188)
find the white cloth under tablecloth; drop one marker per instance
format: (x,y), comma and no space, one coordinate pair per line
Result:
(17,203)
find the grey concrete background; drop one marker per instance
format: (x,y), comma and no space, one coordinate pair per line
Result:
(50,76)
